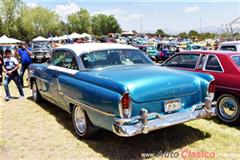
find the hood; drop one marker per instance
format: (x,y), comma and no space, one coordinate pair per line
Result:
(151,82)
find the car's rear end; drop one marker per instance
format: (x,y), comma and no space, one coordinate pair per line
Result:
(158,98)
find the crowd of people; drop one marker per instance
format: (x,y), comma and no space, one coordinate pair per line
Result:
(9,64)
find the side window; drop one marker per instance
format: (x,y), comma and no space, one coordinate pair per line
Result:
(201,63)
(228,48)
(70,61)
(58,58)
(183,61)
(213,64)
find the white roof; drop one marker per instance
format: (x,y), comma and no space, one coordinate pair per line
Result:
(231,42)
(5,40)
(39,38)
(89,47)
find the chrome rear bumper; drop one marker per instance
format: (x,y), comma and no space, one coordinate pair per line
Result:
(146,122)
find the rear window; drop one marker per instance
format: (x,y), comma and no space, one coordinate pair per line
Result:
(228,48)
(236,59)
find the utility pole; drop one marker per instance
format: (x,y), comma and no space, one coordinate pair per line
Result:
(200,22)
(140,24)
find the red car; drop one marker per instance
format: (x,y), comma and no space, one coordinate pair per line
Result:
(225,67)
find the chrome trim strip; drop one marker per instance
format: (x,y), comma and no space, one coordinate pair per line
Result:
(89,107)
(230,88)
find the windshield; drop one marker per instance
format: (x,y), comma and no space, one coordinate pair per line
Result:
(107,58)
(236,59)
(151,48)
(41,46)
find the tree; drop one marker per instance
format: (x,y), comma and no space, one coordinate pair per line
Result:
(10,11)
(80,21)
(103,24)
(161,33)
(193,34)
(183,35)
(37,21)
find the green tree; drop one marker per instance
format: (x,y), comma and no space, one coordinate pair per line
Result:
(103,24)
(10,11)
(161,33)
(183,35)
(38,21)
(193,34)
(80,21)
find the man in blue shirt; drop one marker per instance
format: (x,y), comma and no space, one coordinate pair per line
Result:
(25,55)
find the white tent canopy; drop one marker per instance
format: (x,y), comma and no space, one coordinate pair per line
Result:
(39,39)
(6,40)
(85,35)
(75,35)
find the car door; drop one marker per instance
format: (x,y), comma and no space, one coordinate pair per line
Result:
(66,77)
(50,87)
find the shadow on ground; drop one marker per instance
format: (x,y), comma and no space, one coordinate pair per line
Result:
(218,121)
(115,147)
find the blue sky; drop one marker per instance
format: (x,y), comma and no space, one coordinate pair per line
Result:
(172,16)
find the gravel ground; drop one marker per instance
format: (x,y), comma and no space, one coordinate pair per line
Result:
(45,132)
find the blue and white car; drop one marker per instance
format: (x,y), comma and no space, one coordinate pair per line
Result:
(116,87)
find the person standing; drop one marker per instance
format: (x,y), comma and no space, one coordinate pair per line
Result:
(10,67)
(25,56)
(1,64)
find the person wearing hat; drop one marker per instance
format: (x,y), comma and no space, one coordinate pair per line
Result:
(10,67)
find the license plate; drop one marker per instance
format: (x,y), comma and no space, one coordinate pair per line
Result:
(172,105)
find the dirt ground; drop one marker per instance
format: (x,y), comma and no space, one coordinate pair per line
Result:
(44,132)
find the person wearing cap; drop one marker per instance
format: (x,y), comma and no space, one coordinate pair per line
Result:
(10,67)
(25,56)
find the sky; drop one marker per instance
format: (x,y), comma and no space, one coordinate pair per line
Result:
(148,15)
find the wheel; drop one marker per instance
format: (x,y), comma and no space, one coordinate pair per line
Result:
(228,109)
(82,125)
(35,93)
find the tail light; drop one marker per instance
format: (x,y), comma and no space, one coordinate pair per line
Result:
(125,106)
(211,89)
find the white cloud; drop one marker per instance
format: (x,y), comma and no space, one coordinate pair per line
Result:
(64,10)
(192,9)
(32,5)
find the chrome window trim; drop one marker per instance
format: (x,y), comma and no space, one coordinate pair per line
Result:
(205,64)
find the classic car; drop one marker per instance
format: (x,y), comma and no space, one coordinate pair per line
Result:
(229,46)
(41,52)
(195,47)
(225,67)
(153,53)
(117,88)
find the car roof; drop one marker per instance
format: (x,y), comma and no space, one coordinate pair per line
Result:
(230,43)
(225,53)
(81,48)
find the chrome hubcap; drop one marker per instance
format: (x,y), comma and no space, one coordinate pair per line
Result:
(34,91)
(80,120)
(228,108)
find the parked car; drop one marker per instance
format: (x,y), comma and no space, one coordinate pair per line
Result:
(195,47)
(117,88)
(229,46)
(153,53)
(225,67)
(11,47)
(41,52)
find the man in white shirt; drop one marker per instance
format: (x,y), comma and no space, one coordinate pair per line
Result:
(10,67)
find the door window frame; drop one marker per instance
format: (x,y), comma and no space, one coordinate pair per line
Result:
(205,64)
